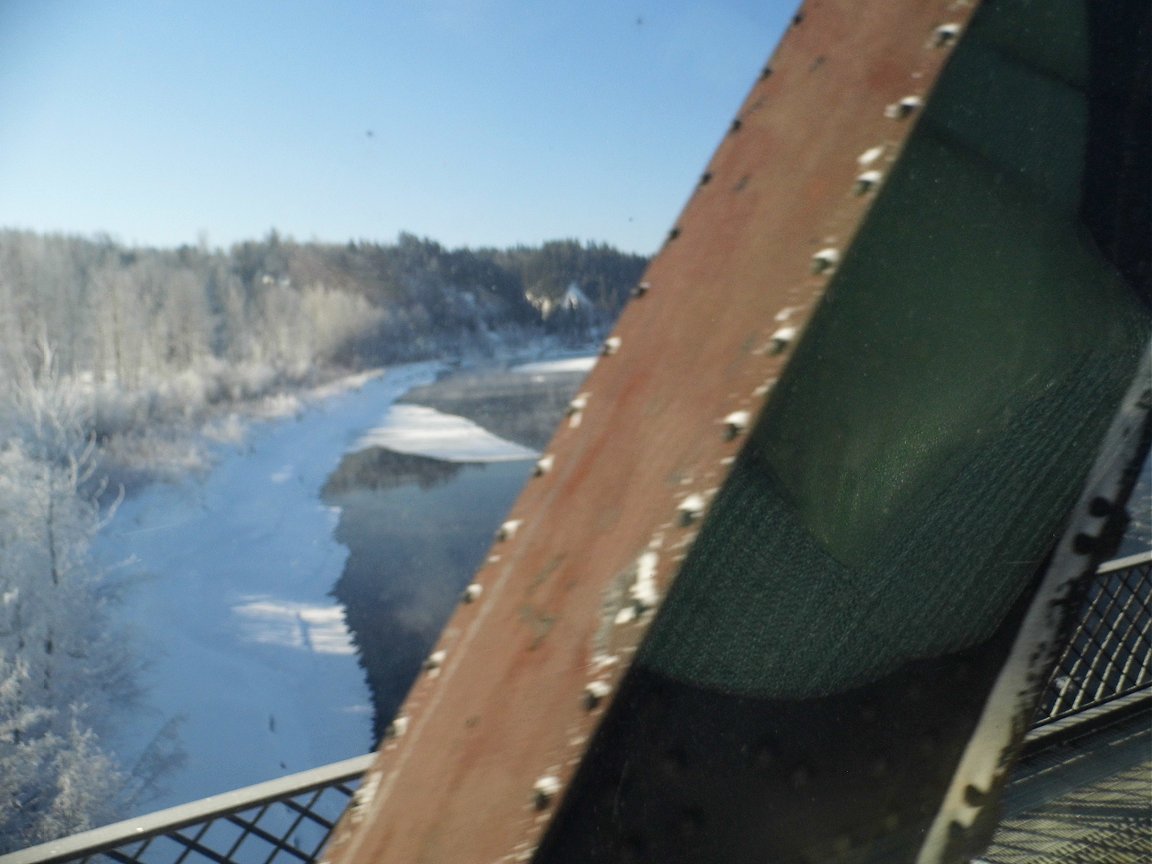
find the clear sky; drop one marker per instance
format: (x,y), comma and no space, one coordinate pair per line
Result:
(473,122)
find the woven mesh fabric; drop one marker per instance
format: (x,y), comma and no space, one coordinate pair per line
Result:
(763,608)
(919,457)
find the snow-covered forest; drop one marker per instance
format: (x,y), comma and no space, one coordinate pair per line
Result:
(114,360)
(148,333)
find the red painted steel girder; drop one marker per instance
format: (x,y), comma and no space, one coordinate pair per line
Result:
(493,731)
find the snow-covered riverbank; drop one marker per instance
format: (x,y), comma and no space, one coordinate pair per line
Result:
(229,575)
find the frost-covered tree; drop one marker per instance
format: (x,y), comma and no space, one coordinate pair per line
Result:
(62,675)
(53,782)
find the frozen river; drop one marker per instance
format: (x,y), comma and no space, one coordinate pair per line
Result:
(231,574)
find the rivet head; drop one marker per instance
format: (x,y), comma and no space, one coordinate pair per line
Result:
(736,423)
(508,530)
(905,108)
(435,660)
(578,404)
(867,181)
(1100,506)
(611,346)
(397,727)
(641,288)
(1083,544)
(545,790)
(625,616)
(472,593)
(691,509)
(945,35)
(974,796)
(869,156)
(595,693)
(825,260)
(544,465)
(781,339)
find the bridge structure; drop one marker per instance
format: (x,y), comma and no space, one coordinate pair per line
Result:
(1079,790)
(795,572)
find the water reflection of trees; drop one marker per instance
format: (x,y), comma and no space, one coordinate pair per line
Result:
(378,468)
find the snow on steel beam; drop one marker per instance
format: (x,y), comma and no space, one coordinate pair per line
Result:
(776,558)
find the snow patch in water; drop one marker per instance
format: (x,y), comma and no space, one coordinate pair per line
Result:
(421,431)
(319,629)
(567,364)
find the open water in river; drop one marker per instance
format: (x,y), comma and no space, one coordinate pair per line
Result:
(417,528)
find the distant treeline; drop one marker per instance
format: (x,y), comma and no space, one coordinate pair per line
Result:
(279,307)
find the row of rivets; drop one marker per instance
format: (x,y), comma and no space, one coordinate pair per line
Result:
(548,786)
(736,423)
(362,799)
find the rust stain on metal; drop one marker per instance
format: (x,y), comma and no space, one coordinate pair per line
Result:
(716,314)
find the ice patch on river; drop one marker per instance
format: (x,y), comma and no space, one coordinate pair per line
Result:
(420,431)
(564,364)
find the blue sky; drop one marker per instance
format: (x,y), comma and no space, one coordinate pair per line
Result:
(473,122)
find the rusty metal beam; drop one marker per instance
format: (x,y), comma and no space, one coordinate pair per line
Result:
(523,727)
(506,704)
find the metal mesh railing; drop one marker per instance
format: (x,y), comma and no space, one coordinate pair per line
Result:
(290,829)
(1109,654)
(289,820)
(284,821)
